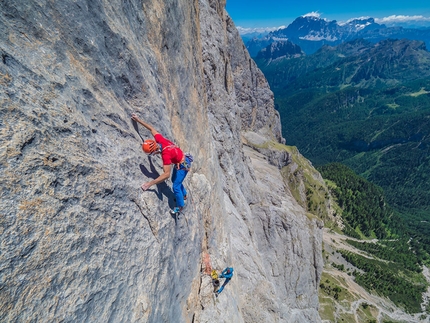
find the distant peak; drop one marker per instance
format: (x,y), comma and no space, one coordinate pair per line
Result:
(281,48)
(352,20)
(261,30)
(361,21)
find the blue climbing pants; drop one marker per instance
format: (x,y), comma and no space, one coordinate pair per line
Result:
(223,285)
(178,177)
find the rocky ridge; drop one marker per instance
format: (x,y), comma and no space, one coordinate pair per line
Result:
(311,33)
(356,63)
(280,49)
(80,240)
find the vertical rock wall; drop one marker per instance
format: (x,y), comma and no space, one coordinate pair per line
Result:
(80,241)
(274,246)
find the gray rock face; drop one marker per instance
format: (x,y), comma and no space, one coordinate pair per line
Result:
(81,242)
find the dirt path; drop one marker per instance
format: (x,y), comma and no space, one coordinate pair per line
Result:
(385,308)
(426,296)
(339,241)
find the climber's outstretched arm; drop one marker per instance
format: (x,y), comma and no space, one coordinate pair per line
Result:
(146,125)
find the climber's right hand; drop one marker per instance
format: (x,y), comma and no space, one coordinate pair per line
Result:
(145,186)
(134,117)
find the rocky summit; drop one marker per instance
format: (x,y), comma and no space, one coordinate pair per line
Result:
(80,241)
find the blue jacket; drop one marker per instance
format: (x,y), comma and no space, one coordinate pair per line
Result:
(225,274)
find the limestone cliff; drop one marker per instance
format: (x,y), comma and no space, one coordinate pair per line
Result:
(80,241)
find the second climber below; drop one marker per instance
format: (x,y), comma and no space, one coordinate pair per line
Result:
(227,274)
(171,155)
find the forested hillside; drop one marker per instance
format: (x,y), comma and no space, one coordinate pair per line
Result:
(366,106)
(364,210)
(390,266)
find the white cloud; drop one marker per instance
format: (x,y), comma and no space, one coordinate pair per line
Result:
(400,19)
(312,14)
(262,30)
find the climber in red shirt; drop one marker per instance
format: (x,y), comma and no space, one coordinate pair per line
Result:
(171,155)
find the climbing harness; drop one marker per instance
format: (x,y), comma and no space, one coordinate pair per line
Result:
(188,158)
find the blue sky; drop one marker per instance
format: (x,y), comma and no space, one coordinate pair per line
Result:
(275,13)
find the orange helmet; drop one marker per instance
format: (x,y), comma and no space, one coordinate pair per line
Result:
(149,146)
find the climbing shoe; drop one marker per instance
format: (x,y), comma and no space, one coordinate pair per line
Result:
(175,210)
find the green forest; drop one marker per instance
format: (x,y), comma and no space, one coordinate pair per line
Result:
(357,126)
(363,204)
(361,113)
(391,149)
(389,279)
(393,268)
(367,214)
(368,107)
(395,250)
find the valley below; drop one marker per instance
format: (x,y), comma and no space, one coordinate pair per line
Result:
(354,303)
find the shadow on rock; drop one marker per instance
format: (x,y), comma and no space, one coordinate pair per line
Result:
(137,129)
(162,188)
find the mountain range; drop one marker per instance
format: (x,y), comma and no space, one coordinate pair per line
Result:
(312,32)
(358,62)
